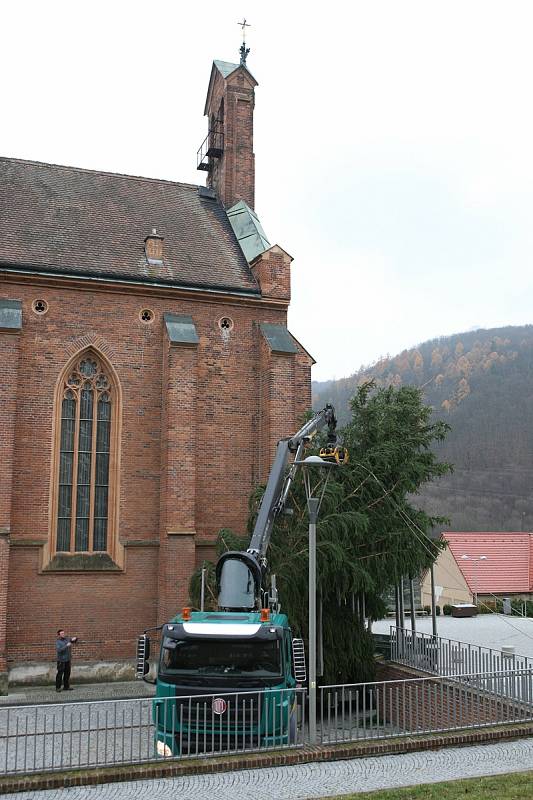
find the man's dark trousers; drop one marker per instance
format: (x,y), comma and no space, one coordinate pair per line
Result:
(63,674)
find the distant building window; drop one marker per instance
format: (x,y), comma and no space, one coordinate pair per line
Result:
(85,452)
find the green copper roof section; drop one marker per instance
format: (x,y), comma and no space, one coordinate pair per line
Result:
(10,315)
(225,67)
(278,338)
(180,329)
(248,230)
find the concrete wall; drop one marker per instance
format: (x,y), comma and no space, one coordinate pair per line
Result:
(412,705)
(450,585)
(43,673)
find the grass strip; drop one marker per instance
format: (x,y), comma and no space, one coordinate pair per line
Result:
(511,786)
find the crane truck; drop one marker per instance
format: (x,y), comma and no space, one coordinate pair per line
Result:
(231,677)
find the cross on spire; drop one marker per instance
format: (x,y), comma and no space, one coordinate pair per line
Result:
(243,50)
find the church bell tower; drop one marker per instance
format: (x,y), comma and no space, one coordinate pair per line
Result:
(227,153)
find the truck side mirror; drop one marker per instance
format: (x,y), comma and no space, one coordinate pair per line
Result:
(298,660)
(143,654)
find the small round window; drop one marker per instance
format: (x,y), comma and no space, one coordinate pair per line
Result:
(225,324)
(146,315)
(40,306)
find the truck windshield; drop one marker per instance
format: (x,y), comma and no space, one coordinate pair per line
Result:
(257,658)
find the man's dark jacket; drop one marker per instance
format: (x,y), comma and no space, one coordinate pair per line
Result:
(62,649)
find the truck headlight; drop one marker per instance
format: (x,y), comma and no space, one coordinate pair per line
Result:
(163,749)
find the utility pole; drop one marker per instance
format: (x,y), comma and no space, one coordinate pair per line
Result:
(413,610)
(474,560)
(312,506)
(433,601)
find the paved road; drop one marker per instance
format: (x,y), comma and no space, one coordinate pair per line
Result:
(316,779)
(75,734)
(72,735)
(488,630)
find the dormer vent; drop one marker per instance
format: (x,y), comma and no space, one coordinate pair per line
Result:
(153,247)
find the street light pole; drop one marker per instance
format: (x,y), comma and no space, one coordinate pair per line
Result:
(481,558)
(466,557)
(433,601)
(312,506)
(313,486)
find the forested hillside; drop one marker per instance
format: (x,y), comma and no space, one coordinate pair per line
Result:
(481,383)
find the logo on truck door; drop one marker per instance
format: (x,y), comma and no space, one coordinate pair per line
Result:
(219,705)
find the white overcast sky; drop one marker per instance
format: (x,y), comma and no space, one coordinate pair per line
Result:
(393,143)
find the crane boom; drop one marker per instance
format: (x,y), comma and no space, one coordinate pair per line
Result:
(240,574)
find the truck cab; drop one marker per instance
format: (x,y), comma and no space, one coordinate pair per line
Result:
(225,679)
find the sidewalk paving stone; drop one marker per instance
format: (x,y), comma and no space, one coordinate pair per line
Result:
(315,779)
(34,695)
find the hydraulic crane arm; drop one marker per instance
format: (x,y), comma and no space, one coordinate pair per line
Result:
(279,480)
(240,574)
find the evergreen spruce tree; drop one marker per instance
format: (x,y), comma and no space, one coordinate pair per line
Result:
(369,531)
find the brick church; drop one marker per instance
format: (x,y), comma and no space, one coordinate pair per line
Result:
(147,373)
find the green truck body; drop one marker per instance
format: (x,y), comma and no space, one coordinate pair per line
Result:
(225,680)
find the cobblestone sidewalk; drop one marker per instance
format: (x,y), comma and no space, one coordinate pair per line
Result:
(306,781)
(33,695)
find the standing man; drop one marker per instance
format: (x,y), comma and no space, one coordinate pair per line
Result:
(63,650)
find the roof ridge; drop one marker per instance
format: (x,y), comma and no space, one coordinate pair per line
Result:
(230,63)
(487,533)
(68,168)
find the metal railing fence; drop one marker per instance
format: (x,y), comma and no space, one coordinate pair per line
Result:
(384,709)
(46,738)
(449,657)
(69,736)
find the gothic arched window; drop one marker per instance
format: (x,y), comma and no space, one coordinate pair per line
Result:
(84,513)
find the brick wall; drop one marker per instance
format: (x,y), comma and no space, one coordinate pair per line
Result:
(191,451)
(179,453)
(273,272)
(413,705)
(4,574)
(9,347)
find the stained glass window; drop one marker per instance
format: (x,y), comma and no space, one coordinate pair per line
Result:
(84,458)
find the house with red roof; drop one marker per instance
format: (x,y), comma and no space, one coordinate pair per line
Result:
(482,564)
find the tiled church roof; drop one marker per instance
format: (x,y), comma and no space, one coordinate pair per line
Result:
(77,221)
